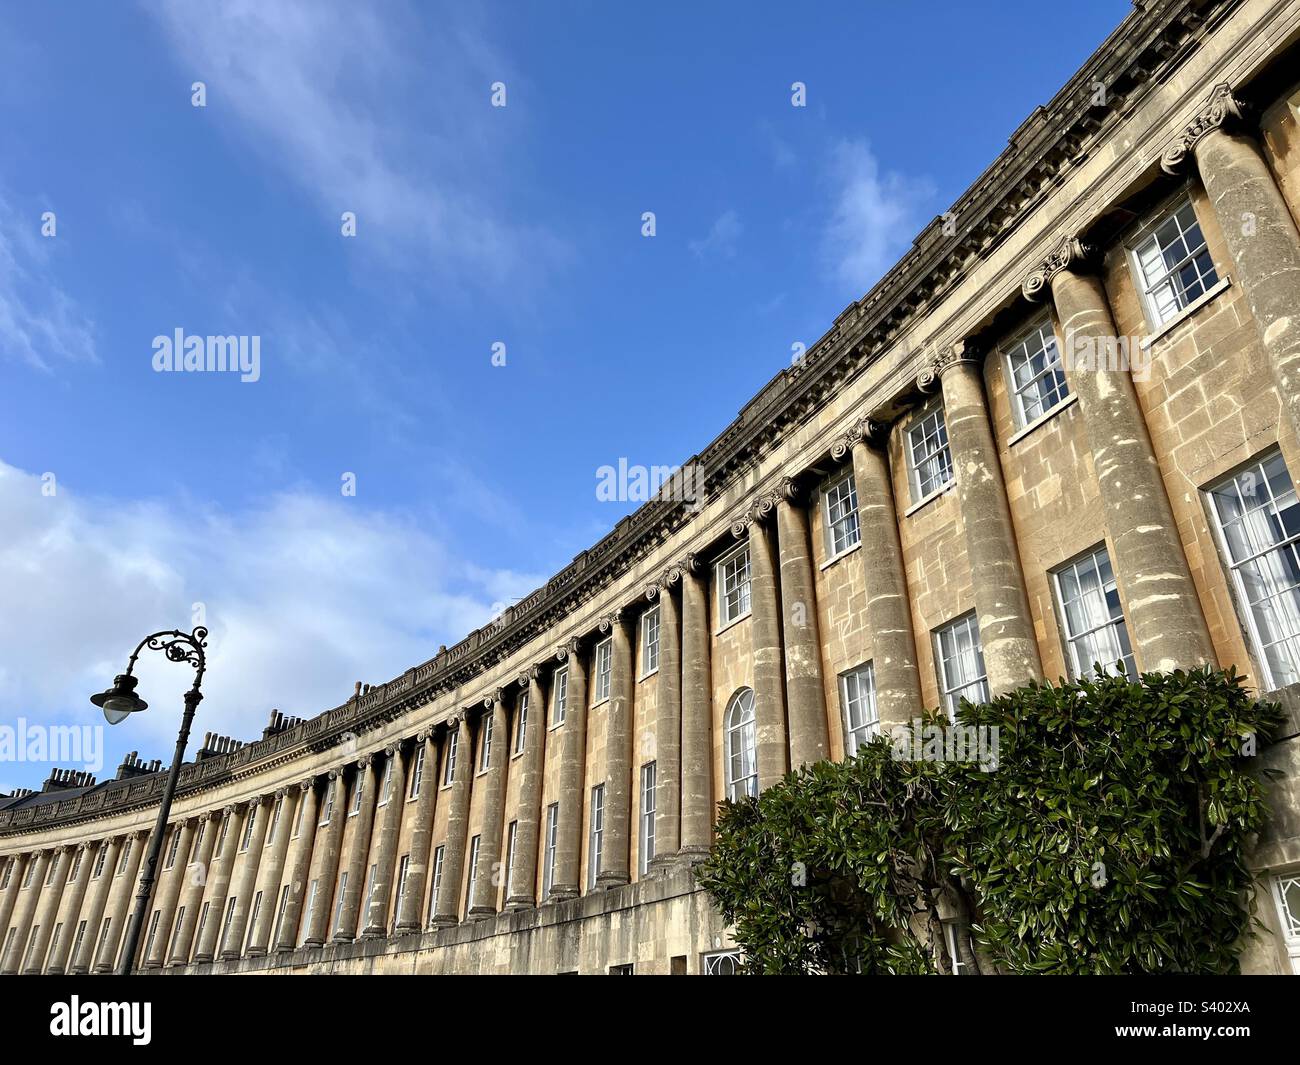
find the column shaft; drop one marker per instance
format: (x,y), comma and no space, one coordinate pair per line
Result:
(765,637)
(1006,626)
(218,887)
(805,695)
(121,896)
(1161,606)
(272,871)
(889,608)
(447,911)
(74,893)
(615,855)
(484,901)
(411,918)
(384,845)
(325,860)
(43,922)
(523,890)
(195,874)
(358,852)
(697,712)
(668,724)
(573,764)
(17,868)
(299,865)
(80,960)
(167,894)
(24,910)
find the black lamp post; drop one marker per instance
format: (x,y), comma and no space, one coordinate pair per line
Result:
(118,703)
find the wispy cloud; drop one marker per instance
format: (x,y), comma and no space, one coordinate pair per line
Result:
(303,594)
(721,239)
(40,324)
(875,215)
(372,111)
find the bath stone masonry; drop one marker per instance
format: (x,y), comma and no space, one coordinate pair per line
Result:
(944,497)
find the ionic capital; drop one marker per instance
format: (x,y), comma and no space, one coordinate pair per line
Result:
(1222,110)
(307,785)
(865,430)
(965,352)
(1070,253)
(760,509)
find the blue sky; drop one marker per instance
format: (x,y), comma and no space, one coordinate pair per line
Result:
(475,225)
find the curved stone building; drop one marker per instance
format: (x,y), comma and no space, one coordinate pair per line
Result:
(1062,428)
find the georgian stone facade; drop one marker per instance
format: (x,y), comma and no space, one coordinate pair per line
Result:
(1064,425)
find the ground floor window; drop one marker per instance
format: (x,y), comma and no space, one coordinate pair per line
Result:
(720,963)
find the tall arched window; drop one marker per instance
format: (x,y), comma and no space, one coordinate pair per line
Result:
(742,760)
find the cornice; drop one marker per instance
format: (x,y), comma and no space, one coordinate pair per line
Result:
(1150,43)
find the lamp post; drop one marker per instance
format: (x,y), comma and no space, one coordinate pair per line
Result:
(118,703)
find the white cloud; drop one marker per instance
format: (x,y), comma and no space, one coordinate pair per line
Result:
(303,596)
(40,324)
(721,239)
(371,111)
(875,216)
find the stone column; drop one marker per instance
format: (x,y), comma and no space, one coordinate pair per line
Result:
(80,962)
(43,922)
(325,864)
(668,721)
(1161,607)
(299,865)
(697,713)
(219,882)
(358,852)
(120,897)
(167,894)
(484,902)
(195,874)
(453,862)
(24,910)
(804,693)
(410,919)
(765,641)
(1257,226)
(69,913)
(383,849)
(615,852)
(272,871)
(889,607)
(1006,626)
(573,765)
(17,871)
(524,888)
(232,945)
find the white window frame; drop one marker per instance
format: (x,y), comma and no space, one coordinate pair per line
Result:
(839,496)
(485,744)
(521,723)
(646,837)
(740,729)
(927,441)
(559,696)
(603,660)
(858,708)
(721,962)
(250,822)
(417,772)
(1254,472)
(386,785)
(338,907)
(596,835)
(949,690)
(327,807)
(403,870)
(512,835)
(552,832)
(1179,208)
(279,915)
(449,762)
(1116,624)
(313,891)
(435,882)
(358,791)
(733,579)
(276,811)
(1288,922)
(253,915)
(1027,345)
(298,816)
(471,880)
(649,642)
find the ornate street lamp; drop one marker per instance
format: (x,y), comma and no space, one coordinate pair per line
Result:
(118,703)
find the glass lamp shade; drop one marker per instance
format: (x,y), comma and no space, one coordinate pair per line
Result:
(120,701)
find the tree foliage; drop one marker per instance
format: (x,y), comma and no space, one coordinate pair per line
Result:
(1110,838)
